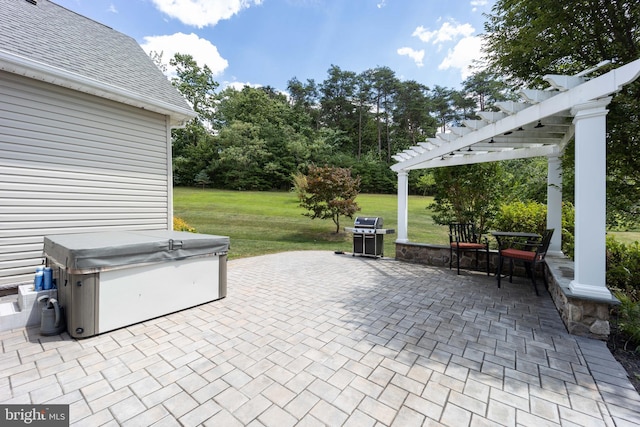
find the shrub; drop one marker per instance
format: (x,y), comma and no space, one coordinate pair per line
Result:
(623,268)
(628,322)
(520,216)
(424,183)
(181,225)
(202,178)
(532,216)
(623,279)
(299,181)
(568,229)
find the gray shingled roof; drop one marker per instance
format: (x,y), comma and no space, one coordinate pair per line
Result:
(46,34)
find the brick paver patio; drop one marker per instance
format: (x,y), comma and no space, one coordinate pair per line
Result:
(315,338)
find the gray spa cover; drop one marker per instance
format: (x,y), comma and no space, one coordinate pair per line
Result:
(91,252)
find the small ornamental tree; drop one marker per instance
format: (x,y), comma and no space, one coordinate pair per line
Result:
(202,178)
(467,193)
(330,193)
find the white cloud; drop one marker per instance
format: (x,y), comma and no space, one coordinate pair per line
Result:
(462,56)
(467,47)
(416,55)
(478,3)
(202,51)
(200,13)
(449,31)
(239,85)
(112,8)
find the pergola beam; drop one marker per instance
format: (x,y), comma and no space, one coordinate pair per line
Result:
(465,158)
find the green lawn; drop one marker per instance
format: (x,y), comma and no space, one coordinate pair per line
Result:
(266,222)
(626,237)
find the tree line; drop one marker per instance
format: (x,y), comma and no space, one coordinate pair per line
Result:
(258,138)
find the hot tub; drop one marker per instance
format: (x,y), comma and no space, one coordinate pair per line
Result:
(109,280)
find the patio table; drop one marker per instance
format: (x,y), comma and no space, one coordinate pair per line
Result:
(513,234)
(498,234)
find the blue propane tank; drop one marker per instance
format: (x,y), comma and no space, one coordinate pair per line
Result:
(48,278)
(38,280)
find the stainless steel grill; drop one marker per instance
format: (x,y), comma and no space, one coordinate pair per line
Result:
(368,236)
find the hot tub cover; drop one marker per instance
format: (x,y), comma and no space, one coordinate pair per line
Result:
(91,252)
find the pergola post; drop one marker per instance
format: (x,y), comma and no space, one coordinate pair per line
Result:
(590,121)
(554,203)
(403,206)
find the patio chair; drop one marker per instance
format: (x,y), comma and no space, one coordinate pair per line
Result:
(531,252)
(464,238)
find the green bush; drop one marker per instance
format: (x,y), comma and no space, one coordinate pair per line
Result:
(628,321)
(532,217)
(520,216)
(623,267)
(422,182)
(299,181)
(568,229)
(375,175)
(623,279)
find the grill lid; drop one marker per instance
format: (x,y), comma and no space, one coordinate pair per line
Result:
(368,222)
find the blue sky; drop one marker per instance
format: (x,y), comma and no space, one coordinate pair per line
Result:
(268,42)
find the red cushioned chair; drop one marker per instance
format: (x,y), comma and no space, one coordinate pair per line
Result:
(531,252)
(464,238)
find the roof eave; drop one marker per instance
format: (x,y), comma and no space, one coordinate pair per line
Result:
(21,65)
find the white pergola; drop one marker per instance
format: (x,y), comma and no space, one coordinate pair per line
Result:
(541,125)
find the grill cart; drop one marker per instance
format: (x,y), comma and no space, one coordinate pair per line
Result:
(114,279)
(368,236)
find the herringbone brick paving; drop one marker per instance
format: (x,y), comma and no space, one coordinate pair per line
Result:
(315,338)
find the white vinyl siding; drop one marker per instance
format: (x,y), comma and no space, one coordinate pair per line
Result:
(71,163)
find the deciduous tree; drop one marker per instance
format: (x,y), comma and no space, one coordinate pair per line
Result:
(192,145)
(526,39)
(467,193)
(330,193)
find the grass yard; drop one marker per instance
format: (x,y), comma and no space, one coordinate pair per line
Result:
(626,237)
(266,222)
